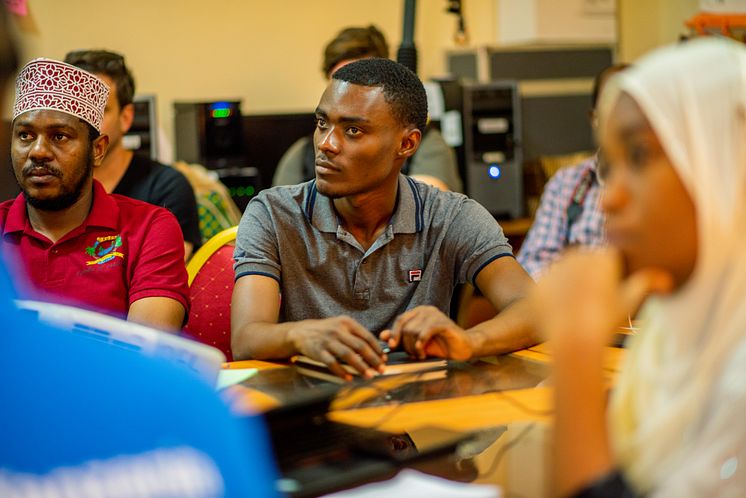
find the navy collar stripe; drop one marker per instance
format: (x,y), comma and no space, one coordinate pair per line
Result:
(311,201)
(419,212)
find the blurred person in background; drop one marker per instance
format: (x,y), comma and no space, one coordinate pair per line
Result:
(570,212)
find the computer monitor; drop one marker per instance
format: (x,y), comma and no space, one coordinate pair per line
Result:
(268,136)
(142,137)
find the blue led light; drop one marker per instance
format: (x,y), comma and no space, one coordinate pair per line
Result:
(494,172)
(220,106)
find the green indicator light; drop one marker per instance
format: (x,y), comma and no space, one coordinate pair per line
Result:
(221,113)
(240,191)
(249,190)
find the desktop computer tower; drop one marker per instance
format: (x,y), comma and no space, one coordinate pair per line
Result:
(493,169)
(210,134)
(554,81)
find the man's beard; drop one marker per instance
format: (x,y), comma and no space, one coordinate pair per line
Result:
(68,196)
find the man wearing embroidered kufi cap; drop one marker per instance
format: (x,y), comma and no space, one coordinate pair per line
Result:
(71,241)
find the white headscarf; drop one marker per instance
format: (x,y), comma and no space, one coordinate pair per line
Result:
(678,414)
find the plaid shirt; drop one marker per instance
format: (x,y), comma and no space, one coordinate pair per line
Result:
(549,236)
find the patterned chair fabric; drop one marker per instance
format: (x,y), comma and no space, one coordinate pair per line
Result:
(211,286)
(216,209)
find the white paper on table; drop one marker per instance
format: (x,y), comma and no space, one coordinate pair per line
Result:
(418,485)
(229,377)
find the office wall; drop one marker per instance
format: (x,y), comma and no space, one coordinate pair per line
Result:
(646,24)
(267,53)
(552,21)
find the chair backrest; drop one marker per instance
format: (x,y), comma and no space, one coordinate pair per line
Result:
(199,358)
(216,209)
(210,287)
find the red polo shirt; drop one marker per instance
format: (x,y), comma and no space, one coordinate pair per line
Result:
(124,251)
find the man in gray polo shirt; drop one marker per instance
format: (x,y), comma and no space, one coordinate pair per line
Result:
(361,250)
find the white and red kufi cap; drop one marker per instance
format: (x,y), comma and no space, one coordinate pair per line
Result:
(46,84)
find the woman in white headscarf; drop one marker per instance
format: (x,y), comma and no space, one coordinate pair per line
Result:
(674,131)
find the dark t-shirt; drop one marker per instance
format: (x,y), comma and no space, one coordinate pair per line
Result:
(149,181)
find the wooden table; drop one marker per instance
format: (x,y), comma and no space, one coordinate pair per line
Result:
(518,227)
(513,426)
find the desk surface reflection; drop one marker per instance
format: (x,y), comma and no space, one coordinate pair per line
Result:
(502,401)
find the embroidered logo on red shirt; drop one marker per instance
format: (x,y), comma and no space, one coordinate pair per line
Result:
(101,252)
(415,275)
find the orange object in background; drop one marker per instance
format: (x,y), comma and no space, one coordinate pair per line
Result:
(725,24)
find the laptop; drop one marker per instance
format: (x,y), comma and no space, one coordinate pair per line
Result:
(317,456)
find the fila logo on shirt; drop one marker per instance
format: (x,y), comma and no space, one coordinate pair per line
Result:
(415,276)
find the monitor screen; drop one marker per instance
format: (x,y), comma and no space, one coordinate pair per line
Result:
(142,136)
(268,136)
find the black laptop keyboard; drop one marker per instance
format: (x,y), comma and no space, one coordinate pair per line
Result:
(326,441)
(319,457)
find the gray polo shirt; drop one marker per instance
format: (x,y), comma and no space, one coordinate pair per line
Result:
(434,241)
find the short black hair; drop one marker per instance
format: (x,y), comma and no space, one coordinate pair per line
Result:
(402,89)
(110,64)
(600,80)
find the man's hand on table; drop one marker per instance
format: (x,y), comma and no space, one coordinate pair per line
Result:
(338,340)
(427,331)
